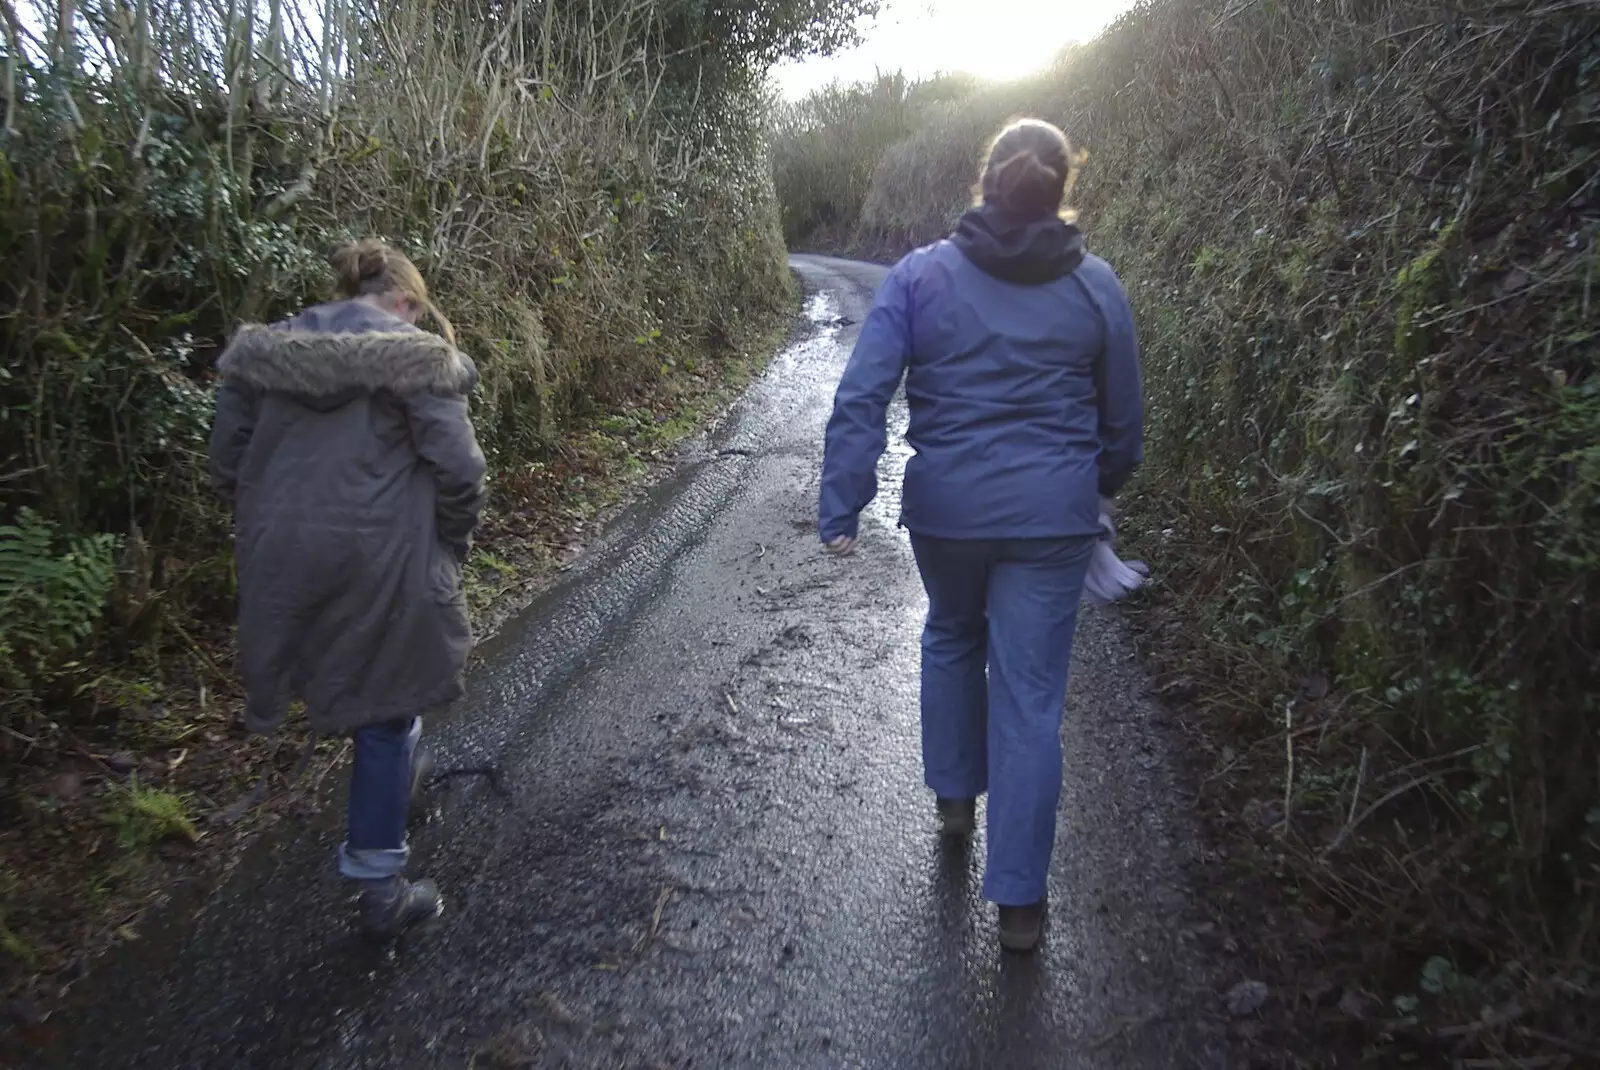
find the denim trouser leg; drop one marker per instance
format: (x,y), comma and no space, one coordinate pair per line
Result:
(1034,588)
(380,798)
(955,639)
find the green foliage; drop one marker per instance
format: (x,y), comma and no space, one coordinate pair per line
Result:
(53,587)
(1563,452)
(1421,289)
(758,33)
(143,817)
(829,148)
(11,944)
(485,578)
(884,166)
(14,945)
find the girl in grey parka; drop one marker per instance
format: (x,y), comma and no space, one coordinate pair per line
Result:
(342,439)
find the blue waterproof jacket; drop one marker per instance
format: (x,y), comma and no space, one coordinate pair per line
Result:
(1022,378)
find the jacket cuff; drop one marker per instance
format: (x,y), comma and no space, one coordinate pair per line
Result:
(840,528)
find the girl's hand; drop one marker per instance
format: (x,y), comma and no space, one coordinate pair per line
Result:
(843,546)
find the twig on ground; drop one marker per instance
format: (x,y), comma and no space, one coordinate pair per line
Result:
(1351,826)
(205,659)
(20,473)
(1124,1025)
(655,920)
(1572,1046)
(258,791)
(14,734)
(1288,773)
(1355,799)
(1493,1019)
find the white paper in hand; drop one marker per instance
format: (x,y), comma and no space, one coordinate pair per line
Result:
(1109,578)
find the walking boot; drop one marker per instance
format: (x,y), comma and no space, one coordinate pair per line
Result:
(390,907)
(957,817)
(1020,927)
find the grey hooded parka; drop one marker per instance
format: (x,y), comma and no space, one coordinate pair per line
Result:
(343,440)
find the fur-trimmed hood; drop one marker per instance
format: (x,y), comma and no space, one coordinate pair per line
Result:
(331,353)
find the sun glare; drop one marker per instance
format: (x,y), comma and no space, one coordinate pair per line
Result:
(997,40)
(1004,39)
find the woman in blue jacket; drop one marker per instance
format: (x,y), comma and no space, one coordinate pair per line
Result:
(1022,376)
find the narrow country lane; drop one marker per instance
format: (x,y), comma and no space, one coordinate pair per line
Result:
(710,845)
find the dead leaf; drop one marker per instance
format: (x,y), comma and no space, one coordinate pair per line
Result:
(66,787)
(1516,280)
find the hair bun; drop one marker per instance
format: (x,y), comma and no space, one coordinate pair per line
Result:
(357,262)
(372,262)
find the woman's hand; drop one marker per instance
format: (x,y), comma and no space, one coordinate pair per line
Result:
(843,546)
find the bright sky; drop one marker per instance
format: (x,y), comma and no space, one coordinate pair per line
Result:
(994,39)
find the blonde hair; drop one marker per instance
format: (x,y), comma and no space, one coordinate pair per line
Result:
(1029,170)
(370,266)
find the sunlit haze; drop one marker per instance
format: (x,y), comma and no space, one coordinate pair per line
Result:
(994,39)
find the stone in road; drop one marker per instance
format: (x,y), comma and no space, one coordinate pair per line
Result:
(713,848)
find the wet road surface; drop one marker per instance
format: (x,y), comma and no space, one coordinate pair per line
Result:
(712,847)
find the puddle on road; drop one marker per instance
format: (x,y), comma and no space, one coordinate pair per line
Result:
(823,351)
(885,508)
(823,310)
(816,349)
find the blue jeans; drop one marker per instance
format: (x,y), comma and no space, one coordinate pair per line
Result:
(995,654)
(380,799)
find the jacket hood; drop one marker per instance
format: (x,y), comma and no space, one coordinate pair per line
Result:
(1031,252)
(328,360)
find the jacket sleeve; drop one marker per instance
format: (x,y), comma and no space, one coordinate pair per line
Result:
(1120,391)
(442,430)
(857,433)
(237,407)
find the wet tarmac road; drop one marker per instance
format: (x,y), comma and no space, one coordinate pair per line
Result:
(713,847)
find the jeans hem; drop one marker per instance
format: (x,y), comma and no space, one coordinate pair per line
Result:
(946,789)
(1014,893)
(370,864)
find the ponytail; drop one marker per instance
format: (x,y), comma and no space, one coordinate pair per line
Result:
(1029,170)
